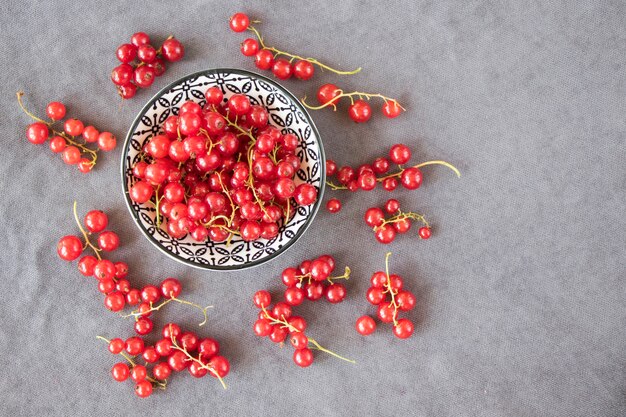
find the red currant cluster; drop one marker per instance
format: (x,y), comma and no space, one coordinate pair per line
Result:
(278,322)
(388,294)
(385,229)
(112,277)
(141,62)
(267,57)
(72,141)
(359,111)
(220,171)
(367,176)
(307,281)
(175,351)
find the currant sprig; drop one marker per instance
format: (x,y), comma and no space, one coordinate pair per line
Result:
(280,62)
(65,142)
(143,312)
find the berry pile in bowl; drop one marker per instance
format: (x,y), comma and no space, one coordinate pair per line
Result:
(223,169)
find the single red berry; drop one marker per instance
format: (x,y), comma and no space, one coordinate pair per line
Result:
(189,341)
(85,165)
(73,127)
(37,133)
(400,154)
(299,340)
(116,345)
(262,327)
(411,178)
(365,325)
(281,310)
(294,296)
(335,293)
(262,298)
(69,248)
(375,295)
(239,22)
(150,355)
(406,300)
(120,372)
(249,47)
(319,270)
(305,194)
(220,366)
(424,232)
(90,134)
(172,50)
(178,361)
(71,155)
(104,269)
(126,53)
(143,326)
(303,70)
(282,69)
(138,373)
(385,234)
(143,389)
(96,221)
(115,301)
(197,370)
(214,96)
(207,348)
(380,165)
(171,288)
(146,53)
(122,74)
(390,184)
(403,329)
(374,217)
(386,313)
(402,225)
(367,181)
(314,290)
(127,91)
(161,371)
(144,76)
(87,265)
(331,167)
(139,38)
(264,59)
(108,241)
(391,109)
(328,93)
(141,192)
(239,104)
(55,110)
(158,65)
(303,357)
(134,346)
(333,205)
(57,144)
(360,111)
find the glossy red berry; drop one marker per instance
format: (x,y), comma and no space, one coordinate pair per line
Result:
(262,298)
(37,133)
(303,70)
(424,232)
(411,178)
(120,372)
(146,53)
(115,301)
(333,205)
(374,217)
(220,366)
(303,357)
(391,109)
(173,50)
(73,127)
(328,93)
(122,74)
(403,329)
(126,53)
(171,288)
(385,234)
(360,111)
(143,326)
(116,346)
(305,194)
(143,389)
(138,373)
(108,241)
(139,38)
(336,293)
(399,154)
(69,248)
(299,340)
(365,325)
(249,47)
(282,69)
(144,76)
(55,110)
(264,59)
(239,104)
(239,22)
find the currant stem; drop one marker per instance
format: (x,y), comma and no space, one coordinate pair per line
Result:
(32,116)
(88,243)
(136,313)
(390,290)
(203,365)
(346,275)
(292,56)
(323,349)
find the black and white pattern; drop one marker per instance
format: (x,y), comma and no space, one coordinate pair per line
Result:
(286,113)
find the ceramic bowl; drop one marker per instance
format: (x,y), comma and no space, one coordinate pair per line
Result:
(286,113)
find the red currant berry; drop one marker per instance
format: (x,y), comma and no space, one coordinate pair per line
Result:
(314,291)
(161,371)
(335,293)
(298,323)
(374,217)
(107,141)
(171,288)
(402,225)
(108,241)
(115,301)
(303,70)
(116,345)
(403,329)
(392,205)
(249,47)
(127,91)
(319,270)
(164,347)
(214,96)
(386,313)
(150,355)
(150,294)
(220,366)
(104,269)
(122,75)
(282,69)
(424,232)
(143,326)
(299,340)
(73,127)
(55,110)
(328,93)
(57,144)
(264,59)
(134,346)
(375,295)
(239,22)
(262,299)
(333,205)
(143,76)
(367,181)
(380,166)
(90,134)
(365,325)
(172,50)
(126,53)
(360,111)
(139,38)
(390,184)
(133,297)
(262,327)
(87,265)
(189,341)
(143,389)
(71,155)
(197,370)
(411,178)
(305,194)
(120,372)
(146,53)
(239,104)
(294,296)
(405,300)
(207,348)
(178,361)
(303,357)
(385,234)
(391,109)
(138,373)
(69,248)
(331,167)
(399,154)
(141,192)
(281,311)
(37,133)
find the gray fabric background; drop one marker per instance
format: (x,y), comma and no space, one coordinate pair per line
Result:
(521,289)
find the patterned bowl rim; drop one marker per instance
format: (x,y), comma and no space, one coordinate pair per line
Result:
(290,242)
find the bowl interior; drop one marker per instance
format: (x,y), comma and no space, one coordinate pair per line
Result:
(286,113)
